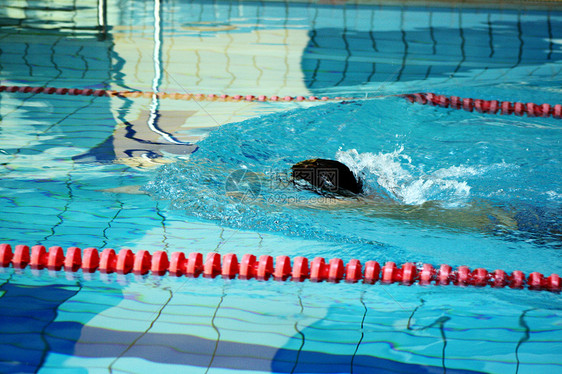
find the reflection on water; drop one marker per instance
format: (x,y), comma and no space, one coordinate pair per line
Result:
(442,49)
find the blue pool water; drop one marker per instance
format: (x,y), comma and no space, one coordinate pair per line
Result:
(440,185)
(439,177)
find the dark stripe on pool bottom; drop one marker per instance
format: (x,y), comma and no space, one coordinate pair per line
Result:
(26,314)
(74,339)
(28,333)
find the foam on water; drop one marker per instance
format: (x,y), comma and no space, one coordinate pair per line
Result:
(393,175)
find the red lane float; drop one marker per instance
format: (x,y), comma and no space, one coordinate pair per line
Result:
(486,106)
(282,268)
(249,267)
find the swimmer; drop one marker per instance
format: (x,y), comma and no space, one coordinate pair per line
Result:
(326,176)
(337,188)
(341,189)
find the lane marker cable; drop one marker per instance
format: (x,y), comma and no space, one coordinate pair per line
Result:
(487,106)
(263,268)
(424,98)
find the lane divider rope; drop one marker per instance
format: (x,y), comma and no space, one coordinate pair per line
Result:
(264,268)
(455,102)
(162,95)
(487,106)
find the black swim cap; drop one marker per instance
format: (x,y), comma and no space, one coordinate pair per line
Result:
(327,176)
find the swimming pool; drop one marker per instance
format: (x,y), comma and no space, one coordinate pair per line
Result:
(152,173)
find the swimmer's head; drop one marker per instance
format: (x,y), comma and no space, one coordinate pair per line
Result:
(326,177)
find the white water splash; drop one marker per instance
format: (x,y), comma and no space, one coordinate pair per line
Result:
(394,175)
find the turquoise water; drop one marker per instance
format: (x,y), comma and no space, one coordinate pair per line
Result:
(431,178)
(441,186)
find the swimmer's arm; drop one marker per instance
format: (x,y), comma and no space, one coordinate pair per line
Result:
(323,202)
(131,190)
